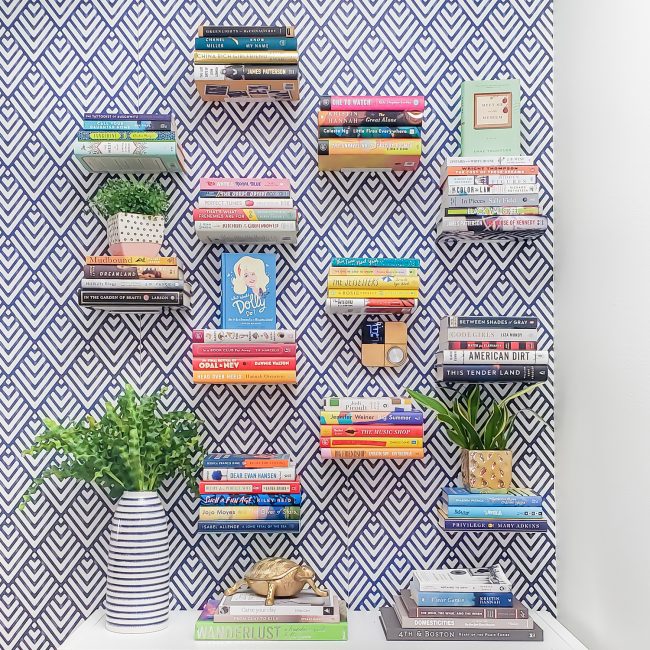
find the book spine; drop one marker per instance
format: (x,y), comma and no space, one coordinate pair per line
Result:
(372,103)
(534,525)
(494,512)
(124,148)
(241,184)
(492,180)
(233,363)
(492,345)
(498,211)
(244,72)
(254,474)
(244,377)
(129,117)
(279,31)
(413,623)
(110,297)
(517,322)
(370,272)
(373,430)
(479,357)
(368,403)
(127,125)
(261,526)
(424,583)
(494,500)
(249,203)
(369,118)
(245,461)
(219,228)
(277,500)
(211,631)
(228,336)
(373,293)
(479,200)
(325,132)
(244,194)
(327,442)
(370,305)
(248,487)
(248,513)
(373,282)
(487,170)
(112,260)
(162,136)
(230,43)
(370,146)
(517,611)
(219,57)
(394,454)
(461,190)
(137,283)
(219,351)
(494,373)
(245,214)
(229,606)
(490,161)
(490,334)
(383,262)
(390,418)
(132,272)
(485,224)
(254,616)
(465,599)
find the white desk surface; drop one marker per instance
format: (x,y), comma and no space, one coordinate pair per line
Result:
(364,631)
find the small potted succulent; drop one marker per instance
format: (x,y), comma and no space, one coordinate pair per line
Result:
(129,452)
(136,212)
(486,460)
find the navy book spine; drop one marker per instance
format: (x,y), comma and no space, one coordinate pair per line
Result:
(259,526)
(538,526)
(494,373)
(250,499)
(497,322)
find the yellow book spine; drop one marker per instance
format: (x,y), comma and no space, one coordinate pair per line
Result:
(244,377)
(376,282)
(370,271)
(243,56)
(376,146)
(373,453)
(370,443)
(372,293)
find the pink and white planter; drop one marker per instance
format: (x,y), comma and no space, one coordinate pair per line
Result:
(140,235)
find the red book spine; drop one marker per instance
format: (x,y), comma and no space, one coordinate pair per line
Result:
(219,350)
(252,363)
(493,345)
(371,430)
(249,487)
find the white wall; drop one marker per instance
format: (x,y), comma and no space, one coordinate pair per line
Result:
(602,216)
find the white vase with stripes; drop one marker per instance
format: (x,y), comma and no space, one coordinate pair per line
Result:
(137,590)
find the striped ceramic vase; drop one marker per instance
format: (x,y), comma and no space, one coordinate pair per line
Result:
(137,590)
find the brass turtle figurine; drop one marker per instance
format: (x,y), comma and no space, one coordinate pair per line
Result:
(276,576)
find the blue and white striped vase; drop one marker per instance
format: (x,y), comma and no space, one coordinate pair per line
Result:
(137,590)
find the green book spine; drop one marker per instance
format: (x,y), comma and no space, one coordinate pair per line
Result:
(211,631)
(490,118)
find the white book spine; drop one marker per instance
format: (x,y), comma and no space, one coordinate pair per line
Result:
(110,283)
(219,227)
(463,181)
(520,188)
(498,224)
(489,161)
(274,610)
(479,357)
(246,336)
(476,334)
(489,200)
(361,306)
(243,202)
(367,404)
(258,474)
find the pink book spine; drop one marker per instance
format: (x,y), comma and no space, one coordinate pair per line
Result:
(245,184)
(219,350)
(375,103)
(244,363)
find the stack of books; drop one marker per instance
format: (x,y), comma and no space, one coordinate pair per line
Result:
(246,63)
(244,493)
(518,510)
(133,284)
(371,428)
(142,143)
(369,132)
(490,198)
(369,285)
(459,605)
(246,211)
(234,356)
(244,616)
(478,349)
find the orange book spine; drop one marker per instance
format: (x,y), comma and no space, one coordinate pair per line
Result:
(244,377)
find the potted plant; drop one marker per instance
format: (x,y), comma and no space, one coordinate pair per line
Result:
(136,212)
(129,451)
(486,460)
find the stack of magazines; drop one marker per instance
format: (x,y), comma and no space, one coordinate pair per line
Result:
(462,604)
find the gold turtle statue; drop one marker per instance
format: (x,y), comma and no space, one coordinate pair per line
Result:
(276,576)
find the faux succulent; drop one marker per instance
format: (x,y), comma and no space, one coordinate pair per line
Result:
(461,420)
(131,447)
(137,197)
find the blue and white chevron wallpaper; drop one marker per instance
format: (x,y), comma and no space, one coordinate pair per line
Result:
(366,524)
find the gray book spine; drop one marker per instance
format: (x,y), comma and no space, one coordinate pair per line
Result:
(479,200)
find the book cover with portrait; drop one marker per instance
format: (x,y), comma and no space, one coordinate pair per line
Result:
(248,291)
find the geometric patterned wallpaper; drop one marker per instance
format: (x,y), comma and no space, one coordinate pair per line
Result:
(366,525)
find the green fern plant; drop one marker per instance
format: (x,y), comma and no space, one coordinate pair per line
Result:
(130,448)
(137,197)
(461,420)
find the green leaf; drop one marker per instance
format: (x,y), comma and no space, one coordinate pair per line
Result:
(492,426)
(455,431)
(428,402)
(467,427)
(473,403)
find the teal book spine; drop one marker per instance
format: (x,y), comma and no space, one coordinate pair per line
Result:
(490,118)
(483,512)
(381,262)
(245,43)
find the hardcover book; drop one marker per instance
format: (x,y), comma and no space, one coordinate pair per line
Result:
(248,291)
(491,578)
(248,461)
(516,611)
(490,118)
(519,497)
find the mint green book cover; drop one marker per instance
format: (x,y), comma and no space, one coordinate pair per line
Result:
(490,118)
